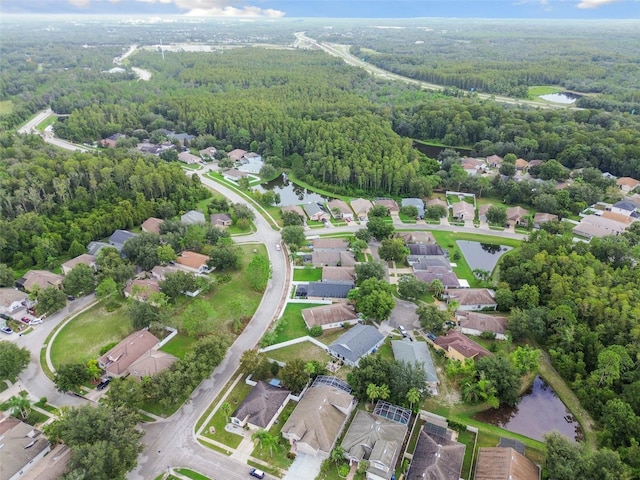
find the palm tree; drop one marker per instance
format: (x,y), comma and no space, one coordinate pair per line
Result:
(384,392)
(453,306)
(225,408)
(19,405)
(266,439)
(413,396)
(337,454)
(93,369)
(373,392)
(437,287)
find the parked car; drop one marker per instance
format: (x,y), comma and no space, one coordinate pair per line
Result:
(256,473)
(403,330)
(277,247)
(36,321)
(71,298)
(26,320)
(6,330)
(431,337)
(104,383)
(31,311)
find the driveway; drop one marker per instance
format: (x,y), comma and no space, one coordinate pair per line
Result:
(304,466)
(404,314)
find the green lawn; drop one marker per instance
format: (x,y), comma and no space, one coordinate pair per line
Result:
(277,457)
(46,122)
(6,107)
(406,218)
(219,420)
(291,325)
(537,90)
(179,345)
(191,474)
(82,338)
(238,230)
(305,350)
(307,274)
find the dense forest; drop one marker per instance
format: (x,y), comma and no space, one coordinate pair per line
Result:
(53,202)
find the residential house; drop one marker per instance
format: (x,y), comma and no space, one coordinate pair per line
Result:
(93,248)
(482,211)
(414,202)
(458,346)
(85,258)
(500,463)
(635,199)
(339,274)
(604,226)
(296,209)
(340,209)
(112,141)
(119,238)
(193,217)
(22,446)
(516,215)
(494,161)
(416,237)
(355,343)
(116,361)
(474,323)
(221,219)
(188,158)
(261,407)
(330,316)
(627,184)
(194,262)
(416,352)
(151,363)
(535,163)
(12,300)
(234,175)
(141,289)
(152,225)
(332,259)
(388,203)
(329,290)
(463,211)
(236,154)
(590,231)
(472,299)
(375,439)
(444,274)
(325,244)
(39,279)
(251,163)
(539,218)
(208,153)
(159,272)
(181,138)
(425,262)
(315,212)
(624,207)
(471,166)
(618,217)
(361,206)
(436,456)
(522,165)
(316,422)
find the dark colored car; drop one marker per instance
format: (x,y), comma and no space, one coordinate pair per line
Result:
(104,383)
(6,330)
(256,473)
(70,298)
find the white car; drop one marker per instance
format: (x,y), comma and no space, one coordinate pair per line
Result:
(403,330)
(277,246)
(36,321)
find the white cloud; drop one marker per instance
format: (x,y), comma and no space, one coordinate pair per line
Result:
(594,3)
(80,3)
(218,8)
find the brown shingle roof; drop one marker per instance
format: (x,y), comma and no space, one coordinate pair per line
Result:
(294,208)
(500,463)
(515,214)
(628,182)
(327,314)
(42,278)
(340,205)
(151,363)
(541,217)
(143,288)
(361,206)
(463,209)
(343,258)
(85,259)
(117,360)
(472,296)
(445,275)
(152,225)
(339,274)
(192,259)
(483,322)
(236,154)
(324,243)
(462,344)
(389,204)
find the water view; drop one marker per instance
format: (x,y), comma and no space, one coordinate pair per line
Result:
(540,411)
(565,98)
(483,256)
(290,193)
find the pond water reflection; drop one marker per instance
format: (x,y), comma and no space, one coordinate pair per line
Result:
(484,256)
(290,193)
(540,411)
(565,98)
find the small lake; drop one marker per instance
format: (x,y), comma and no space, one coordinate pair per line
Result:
(539,412)
(290,193)
(565,98)
(484,256)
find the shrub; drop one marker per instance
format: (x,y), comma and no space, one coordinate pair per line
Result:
(315,331)
(107,347)
(112,305)
(274,368)
(488,335)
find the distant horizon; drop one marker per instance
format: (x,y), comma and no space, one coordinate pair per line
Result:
(335,9)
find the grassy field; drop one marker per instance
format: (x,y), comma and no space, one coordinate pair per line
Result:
(83,337)
(307,274)
(46,122)
(191,474)
(291,325)
(6,107)
(219,420)
(179,345)
(537,90)
(305,350)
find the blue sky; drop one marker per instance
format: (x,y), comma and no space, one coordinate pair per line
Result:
(562,9)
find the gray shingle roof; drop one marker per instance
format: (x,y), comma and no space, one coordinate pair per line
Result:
(261,404)
(412,352)
(329,289)
(119,237)
(356,342)
(414,202)
(436,458)
(425,249)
